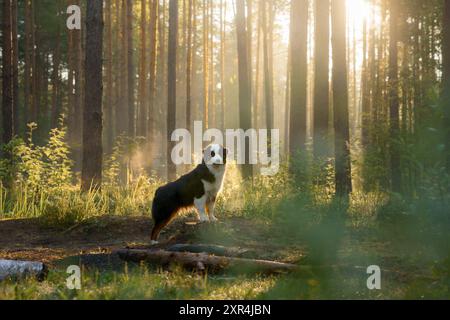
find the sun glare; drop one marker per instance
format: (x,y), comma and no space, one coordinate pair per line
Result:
(358,10)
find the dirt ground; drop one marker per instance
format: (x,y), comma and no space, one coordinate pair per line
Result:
(92,245)
(28,239)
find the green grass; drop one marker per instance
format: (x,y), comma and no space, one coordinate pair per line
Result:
(140,283)
(408,236)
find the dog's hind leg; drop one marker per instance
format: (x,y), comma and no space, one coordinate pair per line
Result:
(157,230)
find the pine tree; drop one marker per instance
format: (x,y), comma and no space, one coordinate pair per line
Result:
(92,115)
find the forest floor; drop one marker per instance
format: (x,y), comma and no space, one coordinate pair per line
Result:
(28,239)
(92,243)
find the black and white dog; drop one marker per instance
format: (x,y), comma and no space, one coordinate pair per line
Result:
(197,189)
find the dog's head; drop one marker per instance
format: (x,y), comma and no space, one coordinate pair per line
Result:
(215,156)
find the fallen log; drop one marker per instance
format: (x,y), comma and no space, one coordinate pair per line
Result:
(203,261)
(207,248)
(12,269)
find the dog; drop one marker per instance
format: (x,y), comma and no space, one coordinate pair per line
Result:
(198,189)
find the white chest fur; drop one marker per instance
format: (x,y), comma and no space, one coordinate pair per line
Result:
(213,189)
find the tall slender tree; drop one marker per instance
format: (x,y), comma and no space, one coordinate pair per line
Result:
(205,63)
(298,45)
(245,100)
(365,91)
(321,78)
(153,55)
(92,115)
(122,117)
(143,105)
(268,76)
(446,77)
(130,72)
(108,105)
(7,74)
(27,66)
(56,86)
(223,9)
(340,100)
(189,58)
(172,84)
(394,98)
(15,66)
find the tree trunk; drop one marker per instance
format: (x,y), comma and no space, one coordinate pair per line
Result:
(78,97)
(205,65)
(365,92)
(27,66)
(172,85)
(212,103)
(245,102)
(92,115)
(321,79)
(108,105)
(56,107)
(21,269)
(130,63)
(122,116)
(446,77)
(202,261)
(396,172)
(152,82)
(340,100)
(223,4)
(189,65)
(15,67)
(299,39)
(142,114)
(7,74)
(268,79)
(34,57)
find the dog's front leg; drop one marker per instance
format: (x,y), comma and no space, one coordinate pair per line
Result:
(211,206)
(200,205)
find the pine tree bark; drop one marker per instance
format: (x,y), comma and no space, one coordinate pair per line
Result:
(321,79)
(172,85)
(223,4)
(212,103)
(130,63)
(205,64)
(245,100)
(34,62)
(365,92)
(92,115)
(15,67)
(56,107)
(299,38)
(340,100)
(78,97)
(153,55)
(189,57)
(7,74)
(268,79)
(122,117)
(27,66)
(108,105)
(143,106)
(394,98)
(446,77)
